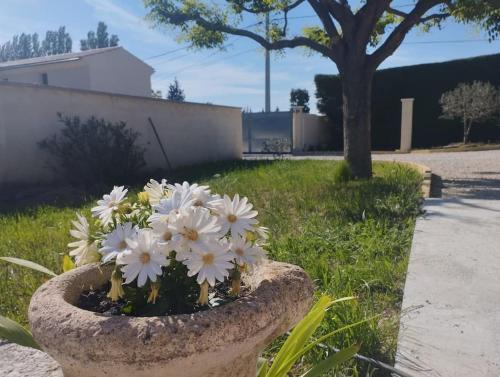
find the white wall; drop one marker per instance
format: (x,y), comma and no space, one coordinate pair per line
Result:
(118,71)
(191,133)
(311,131)
(74,74)
(110,70)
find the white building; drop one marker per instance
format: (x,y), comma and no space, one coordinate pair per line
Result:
(111,70)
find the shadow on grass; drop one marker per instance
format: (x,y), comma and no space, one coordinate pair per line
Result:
(27,197)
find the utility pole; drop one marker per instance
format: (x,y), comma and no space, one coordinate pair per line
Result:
(268,70)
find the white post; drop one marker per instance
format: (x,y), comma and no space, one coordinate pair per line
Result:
(298,129)
(406,124)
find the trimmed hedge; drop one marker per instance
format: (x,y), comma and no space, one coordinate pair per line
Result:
(425,83)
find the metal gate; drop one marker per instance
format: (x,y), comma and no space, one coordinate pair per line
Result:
(268,132)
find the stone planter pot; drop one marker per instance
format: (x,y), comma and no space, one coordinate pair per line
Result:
(220,342)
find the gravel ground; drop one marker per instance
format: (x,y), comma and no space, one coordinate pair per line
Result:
(474,175)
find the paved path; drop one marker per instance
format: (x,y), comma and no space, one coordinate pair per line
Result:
(450,326)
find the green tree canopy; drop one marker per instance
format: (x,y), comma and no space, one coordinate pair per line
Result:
(175,93)
(25,46)
(99,38)
(300,97)
(355,35)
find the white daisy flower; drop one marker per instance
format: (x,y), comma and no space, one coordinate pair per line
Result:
(156,191)
(177,201)
(211,264)
(235,215)
(109,204)
(115,242)
(85,251)
(201,194)
(245,253)
(144,259)
(192,228)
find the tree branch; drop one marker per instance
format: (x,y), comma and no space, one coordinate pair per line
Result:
(180,18)
(438,16)
(323,14)
(269,9)
(395,39)
(342,13)
(367,18)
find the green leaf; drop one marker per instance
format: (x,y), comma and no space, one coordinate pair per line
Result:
(29,264)
(332,361)
(263,367)
(298,338)
(67,263)
(15,333)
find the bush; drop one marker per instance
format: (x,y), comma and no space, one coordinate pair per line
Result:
(425,83)
(94,152)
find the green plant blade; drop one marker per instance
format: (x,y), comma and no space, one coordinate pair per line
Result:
(298,338)
(297,341)
(29,264)
(263,367)
(313,344)
(332,361)
(15,333)
(67,263)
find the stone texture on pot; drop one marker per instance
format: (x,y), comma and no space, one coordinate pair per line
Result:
(224,341)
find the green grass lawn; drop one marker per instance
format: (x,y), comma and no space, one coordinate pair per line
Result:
(353,238)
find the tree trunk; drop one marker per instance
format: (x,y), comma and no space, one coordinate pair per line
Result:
(467,127)
(356,95)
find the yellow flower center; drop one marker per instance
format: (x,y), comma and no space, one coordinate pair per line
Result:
(191,234)
(145,258)
(167,236)
(208,259)
(122,245)
(239,252)
(231,218)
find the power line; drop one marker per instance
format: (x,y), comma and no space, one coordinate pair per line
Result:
(448,41)
(167,53)
(214,61)
(186,47)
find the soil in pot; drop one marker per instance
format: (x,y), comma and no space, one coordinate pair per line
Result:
(168,302)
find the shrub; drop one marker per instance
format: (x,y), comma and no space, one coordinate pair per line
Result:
(471,103)
(94,152)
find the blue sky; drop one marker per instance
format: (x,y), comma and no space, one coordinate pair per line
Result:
(231,77)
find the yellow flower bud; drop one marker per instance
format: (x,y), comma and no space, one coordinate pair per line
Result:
(203,299)
(235,286)
(250,236)
(236,281)
(124,208)
(143,197)
(116,292)
(153,295)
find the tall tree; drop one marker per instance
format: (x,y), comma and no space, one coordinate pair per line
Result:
(57,42)
(26,46)
(175,93)
(300,97)
(355,35)
(99,39)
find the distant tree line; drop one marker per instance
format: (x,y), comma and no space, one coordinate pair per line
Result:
(25,46)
